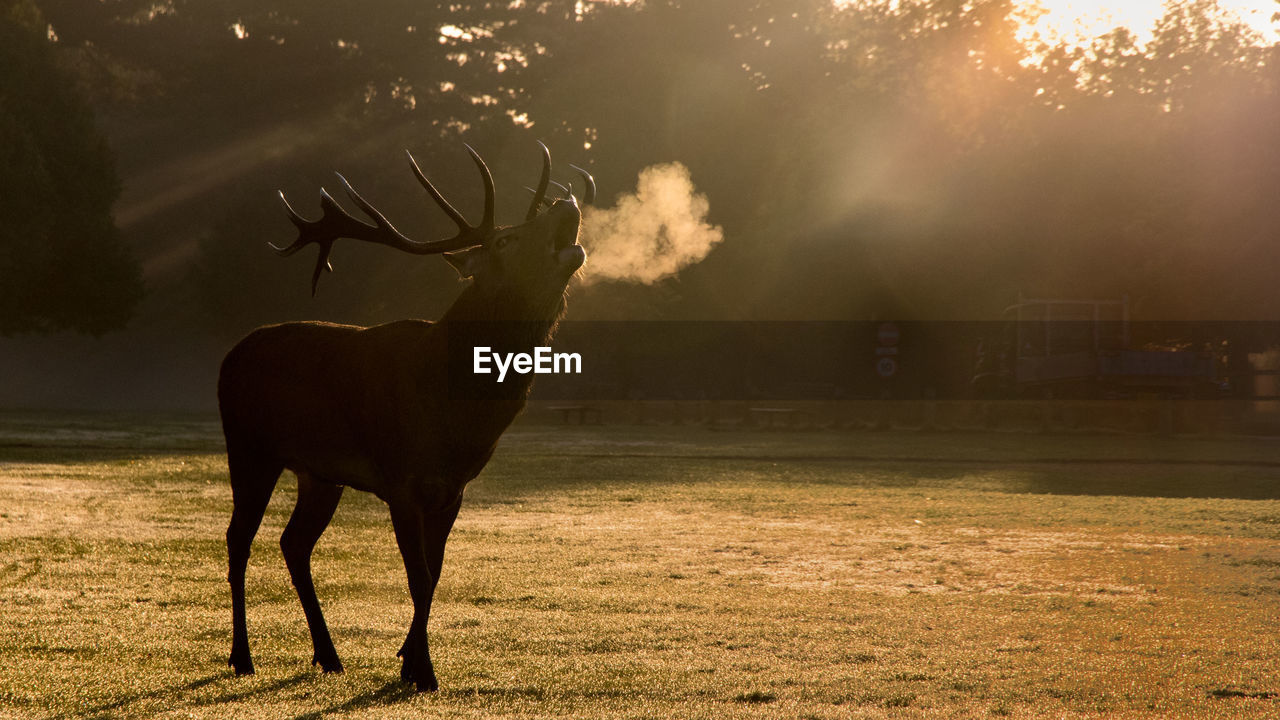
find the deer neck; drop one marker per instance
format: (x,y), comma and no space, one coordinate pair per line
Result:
(504,325)
(512,323)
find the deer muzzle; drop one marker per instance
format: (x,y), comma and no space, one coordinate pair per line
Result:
(569,254)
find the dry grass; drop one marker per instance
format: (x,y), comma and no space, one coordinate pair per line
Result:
(671,573)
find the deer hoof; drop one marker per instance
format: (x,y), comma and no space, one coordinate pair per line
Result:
(418,671)
(327,665)
(243,665)
(425,676)
(428,684)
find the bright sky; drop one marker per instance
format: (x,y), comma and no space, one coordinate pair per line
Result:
(1080,20)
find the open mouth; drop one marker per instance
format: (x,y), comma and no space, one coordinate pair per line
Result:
(565,239)
(564,244)
(566,231)
(568,252)
(571,256)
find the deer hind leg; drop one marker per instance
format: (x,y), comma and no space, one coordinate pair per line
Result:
(316,502)
(421,537)
(252,480)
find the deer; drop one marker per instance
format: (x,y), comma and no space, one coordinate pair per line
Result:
(391,409)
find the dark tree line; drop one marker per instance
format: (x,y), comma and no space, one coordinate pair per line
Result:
(63,265)
(915,162)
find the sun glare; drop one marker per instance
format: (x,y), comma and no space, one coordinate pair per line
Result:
(1079,21)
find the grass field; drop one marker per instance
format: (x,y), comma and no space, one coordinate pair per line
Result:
(664,572)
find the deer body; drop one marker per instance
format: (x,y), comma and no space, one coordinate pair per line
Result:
(294,378)
(391,409)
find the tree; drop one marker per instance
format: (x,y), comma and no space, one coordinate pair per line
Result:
(63,265)
(865,159)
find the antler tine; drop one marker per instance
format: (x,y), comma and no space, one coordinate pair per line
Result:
(298,222)
(386,234)
(449,210)
(589,195)
(306,235)
(540,198)
(485,228)
(564,191)
(320,232)
(543,201)
(540,194)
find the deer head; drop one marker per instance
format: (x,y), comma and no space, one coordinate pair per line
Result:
(527,263)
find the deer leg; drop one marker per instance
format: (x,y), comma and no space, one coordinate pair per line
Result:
(410,527)
(252,481)
(438,528)
(434,530)
(316,502)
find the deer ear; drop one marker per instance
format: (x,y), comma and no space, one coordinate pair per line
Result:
(469,262)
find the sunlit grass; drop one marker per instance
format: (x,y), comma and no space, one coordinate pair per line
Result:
(673,572)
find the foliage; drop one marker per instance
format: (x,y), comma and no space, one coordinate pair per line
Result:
(910,159)
(63,265)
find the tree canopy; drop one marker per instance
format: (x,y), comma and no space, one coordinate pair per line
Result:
(63,265)
(910,159)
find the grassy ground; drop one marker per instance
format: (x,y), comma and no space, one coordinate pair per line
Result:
(664,572)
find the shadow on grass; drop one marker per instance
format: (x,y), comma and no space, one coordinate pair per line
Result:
(1229,692)
(1120,478)
(389,694)
(236,696)
(396,692)
(511,477)
(541,460)
(127,701)
(174,696)
(88,437)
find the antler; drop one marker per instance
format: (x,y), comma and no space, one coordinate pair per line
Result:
(336,223)
(540,195)
(588,197)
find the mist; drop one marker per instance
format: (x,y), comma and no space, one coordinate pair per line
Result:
(652,233)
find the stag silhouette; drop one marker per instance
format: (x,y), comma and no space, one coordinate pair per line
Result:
(389,409)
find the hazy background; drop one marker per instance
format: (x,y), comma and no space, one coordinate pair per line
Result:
(770,160)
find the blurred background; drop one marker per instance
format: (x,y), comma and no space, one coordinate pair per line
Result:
(807,161)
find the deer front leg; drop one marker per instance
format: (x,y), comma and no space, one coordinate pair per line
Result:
(410,526)
(433,531)
(438,526)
